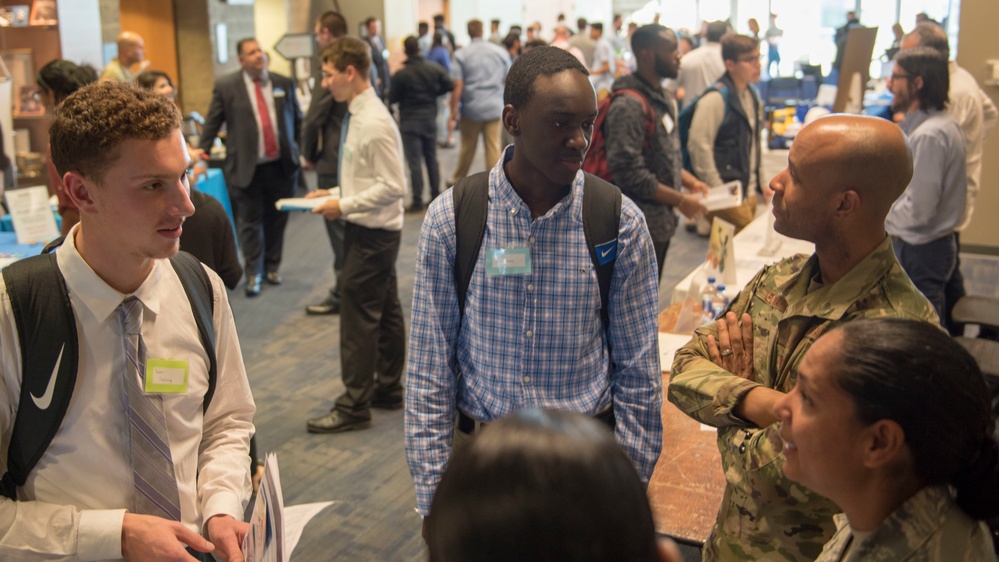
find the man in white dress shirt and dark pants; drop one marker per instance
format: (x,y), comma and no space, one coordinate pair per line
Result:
(372,184)
(123,160)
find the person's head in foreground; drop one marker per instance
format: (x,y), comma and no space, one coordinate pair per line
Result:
(540,486)
(891,420)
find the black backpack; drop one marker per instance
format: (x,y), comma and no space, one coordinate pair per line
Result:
(46,326)
(601,220)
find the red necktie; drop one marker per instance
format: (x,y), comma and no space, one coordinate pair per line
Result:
(270,141)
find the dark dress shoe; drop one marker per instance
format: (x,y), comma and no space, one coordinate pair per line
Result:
(273,278)
(253,285)
(328,306)
(337,422)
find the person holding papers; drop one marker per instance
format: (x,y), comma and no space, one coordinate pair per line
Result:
(372,185)
(724,141)
(141,465)
(647,167)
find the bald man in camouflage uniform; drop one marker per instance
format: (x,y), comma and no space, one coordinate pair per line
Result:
(843,174)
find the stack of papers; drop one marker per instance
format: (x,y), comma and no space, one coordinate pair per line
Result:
(725,196)
(305,204)
(274,529)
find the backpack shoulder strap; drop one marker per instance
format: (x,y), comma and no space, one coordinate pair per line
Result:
(471,206)
(601,222)
(46,328)
(647,112)
(198,288)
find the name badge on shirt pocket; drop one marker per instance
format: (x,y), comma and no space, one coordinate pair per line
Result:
(166,376)
(508,261)
(279,92)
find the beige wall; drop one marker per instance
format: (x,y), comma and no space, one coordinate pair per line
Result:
(976,44)
(271,17)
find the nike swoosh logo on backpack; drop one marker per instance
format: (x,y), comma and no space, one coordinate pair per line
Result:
(45,401)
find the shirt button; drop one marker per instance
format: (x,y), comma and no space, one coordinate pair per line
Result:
(530,333)
(527,379)
(532,240)
(513,211)
(530,286)
(742,448)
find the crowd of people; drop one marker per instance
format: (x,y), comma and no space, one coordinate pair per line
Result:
(850,425)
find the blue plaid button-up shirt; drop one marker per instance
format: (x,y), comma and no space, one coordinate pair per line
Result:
(531,340)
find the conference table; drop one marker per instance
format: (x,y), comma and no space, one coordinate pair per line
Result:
(687,485)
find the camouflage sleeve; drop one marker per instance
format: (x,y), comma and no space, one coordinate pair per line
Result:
(703,390)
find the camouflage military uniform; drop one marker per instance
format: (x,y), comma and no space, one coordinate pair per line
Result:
(765,516)
(928,527)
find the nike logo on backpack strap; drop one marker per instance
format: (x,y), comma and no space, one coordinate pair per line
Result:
(46,399)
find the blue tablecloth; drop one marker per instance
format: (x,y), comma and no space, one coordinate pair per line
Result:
(11,251)
(6,225)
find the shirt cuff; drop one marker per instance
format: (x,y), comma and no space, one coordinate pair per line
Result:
(729,397)
(99,536)
(223,503)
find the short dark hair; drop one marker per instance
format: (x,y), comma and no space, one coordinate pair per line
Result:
(495,22)
(647,36)
(89,126)
(370,21)
(510,40)
(933,36)
(534,44)
(932,67)
(349,51)
(599,26)
(916,375)
(475,28)
(542,485)
(735,46)
(244,41)
(716,30)
(543,61)
(411,45)
(581,24)
(147,79)
(333,22)
(63,77)
(439,19)
(422,27)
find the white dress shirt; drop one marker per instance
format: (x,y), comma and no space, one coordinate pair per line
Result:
(372,177)
(73,503)
(699,69)
(976,115)
(266,87)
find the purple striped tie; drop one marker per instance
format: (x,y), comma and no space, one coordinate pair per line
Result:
(152,466)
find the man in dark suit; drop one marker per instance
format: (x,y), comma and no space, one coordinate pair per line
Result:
(321,150)
(263,119)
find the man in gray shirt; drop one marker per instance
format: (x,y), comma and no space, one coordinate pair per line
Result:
(922,221)
(479,72)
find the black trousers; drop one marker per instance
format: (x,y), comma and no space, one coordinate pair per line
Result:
(420,146)
(258,223)
(334,229)
(372,335)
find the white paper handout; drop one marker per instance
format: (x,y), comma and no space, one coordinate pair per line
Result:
(31,214)
(304,204)
(274,529)
(725,196)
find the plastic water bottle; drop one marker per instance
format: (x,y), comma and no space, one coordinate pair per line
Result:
(719,302)
(708,296)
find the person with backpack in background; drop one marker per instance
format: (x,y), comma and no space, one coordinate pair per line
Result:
(118,445)
(528,323)
(721,130)
(642,141)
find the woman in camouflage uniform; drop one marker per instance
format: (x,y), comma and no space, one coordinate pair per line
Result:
(891,420)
